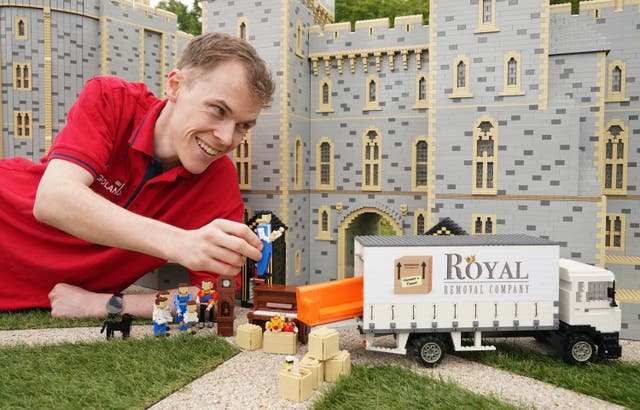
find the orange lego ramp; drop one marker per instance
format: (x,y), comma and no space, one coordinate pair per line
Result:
(328,302)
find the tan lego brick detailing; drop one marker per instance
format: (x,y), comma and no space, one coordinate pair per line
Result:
(432,128)
(622,260)
(104,45)
(48,108)
(544,65)
(601,220)
(628,295)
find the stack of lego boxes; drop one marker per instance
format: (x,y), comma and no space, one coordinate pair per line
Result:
(323,362)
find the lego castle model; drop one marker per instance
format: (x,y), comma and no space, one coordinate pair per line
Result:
(506,116)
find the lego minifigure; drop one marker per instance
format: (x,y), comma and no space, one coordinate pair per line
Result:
(190,318)
(207,297)
(180,301)
(263,229)
(160,317)
(291,363)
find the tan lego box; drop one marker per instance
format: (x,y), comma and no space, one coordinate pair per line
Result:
(323,343)
(279,342)
(316,367)
(248,336)
(339,365)
(295,386)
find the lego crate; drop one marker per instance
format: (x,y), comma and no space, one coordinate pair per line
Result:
(248,336)
(295,386)
(316,367)
(279,342)
(323,343)
(338,365)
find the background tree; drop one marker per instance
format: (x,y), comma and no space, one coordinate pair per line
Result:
(189,20)
(354,10)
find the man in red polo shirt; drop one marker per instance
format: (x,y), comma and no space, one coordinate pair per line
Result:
(131,182)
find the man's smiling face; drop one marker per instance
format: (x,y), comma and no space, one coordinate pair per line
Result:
(211,113)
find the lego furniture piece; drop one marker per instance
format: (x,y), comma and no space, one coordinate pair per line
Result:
(329,301)
(323,343)
(279,342)
(316,367)
(339,365)
(248,336)
(226,289)
(269,300)
(295,386)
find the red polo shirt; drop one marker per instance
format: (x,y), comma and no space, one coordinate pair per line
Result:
(109,132)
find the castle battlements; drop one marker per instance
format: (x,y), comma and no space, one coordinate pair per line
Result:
(337,43)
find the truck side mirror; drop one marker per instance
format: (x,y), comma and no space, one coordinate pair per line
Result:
(611,293)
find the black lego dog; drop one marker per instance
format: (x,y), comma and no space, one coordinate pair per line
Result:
(123,326)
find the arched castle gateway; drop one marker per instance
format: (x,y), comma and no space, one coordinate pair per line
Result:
(510,128)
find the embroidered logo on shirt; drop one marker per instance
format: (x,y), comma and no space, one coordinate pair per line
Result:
(114,188)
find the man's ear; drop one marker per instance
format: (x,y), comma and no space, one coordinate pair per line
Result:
(174,81)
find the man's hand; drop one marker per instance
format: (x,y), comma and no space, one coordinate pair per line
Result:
(72,301)
(220,246)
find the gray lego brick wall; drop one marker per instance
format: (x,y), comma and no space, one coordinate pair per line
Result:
(571,223)
(520,25)
(630,321)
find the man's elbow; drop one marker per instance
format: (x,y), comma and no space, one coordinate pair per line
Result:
(43,207)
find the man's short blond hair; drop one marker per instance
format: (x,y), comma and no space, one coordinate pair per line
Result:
(205,52)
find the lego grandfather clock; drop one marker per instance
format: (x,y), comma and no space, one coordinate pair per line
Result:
(226,288)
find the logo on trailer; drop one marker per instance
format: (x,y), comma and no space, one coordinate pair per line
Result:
(413,274)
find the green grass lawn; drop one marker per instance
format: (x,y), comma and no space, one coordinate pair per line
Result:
(137,373)
(613,381)
(115,374)
(41,319)
(393,387)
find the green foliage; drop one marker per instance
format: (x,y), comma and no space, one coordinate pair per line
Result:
(189,21)
(117,374)
(354,10)
(393,387)
(614,381)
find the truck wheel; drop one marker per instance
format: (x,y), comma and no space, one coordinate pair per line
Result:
(579,349)
(428,350)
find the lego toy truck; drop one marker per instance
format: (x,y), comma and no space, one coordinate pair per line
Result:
(435,293)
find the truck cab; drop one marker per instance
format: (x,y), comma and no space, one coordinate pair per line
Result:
(589,313)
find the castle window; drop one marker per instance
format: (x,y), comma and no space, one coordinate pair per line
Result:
(325,96)
(22,76)
(487,17)
(614,231)
(483,224)
(420,222)
(484,157)
(371,91)
(21,28)
(242,159)
(324,164)
(420,154)
(324,224)
(615,164)
(22,124)
(299,39)
(371,160)
(243,28)
(461,74)
(461,77)
(422,100)
(512,81)
(616,90)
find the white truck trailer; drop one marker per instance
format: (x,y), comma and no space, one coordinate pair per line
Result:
(435,293)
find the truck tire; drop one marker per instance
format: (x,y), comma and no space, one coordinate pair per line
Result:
(428,350)
(579,349)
